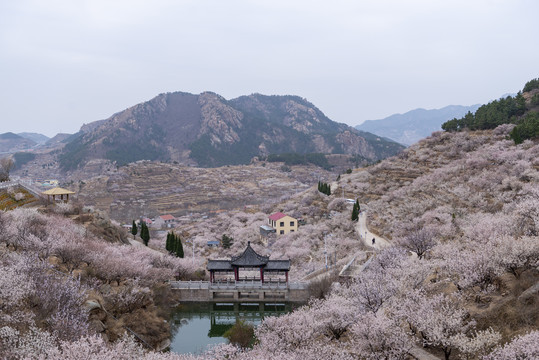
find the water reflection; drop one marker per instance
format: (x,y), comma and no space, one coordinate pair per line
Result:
(195,326)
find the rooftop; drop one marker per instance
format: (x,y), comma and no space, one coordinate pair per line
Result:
(277,216)
(57,191)
(167,217)
(249,258)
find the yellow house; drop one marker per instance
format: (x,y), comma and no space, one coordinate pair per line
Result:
(282,223)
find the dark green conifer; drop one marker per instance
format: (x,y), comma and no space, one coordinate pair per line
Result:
(355,213)
(226,241)
(179,246)
(134,229)
(145,234)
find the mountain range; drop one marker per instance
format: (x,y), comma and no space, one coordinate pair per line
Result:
(10,142)
(416,124)
(207,130)
(38,138)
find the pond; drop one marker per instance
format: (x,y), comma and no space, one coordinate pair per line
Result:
(197,326)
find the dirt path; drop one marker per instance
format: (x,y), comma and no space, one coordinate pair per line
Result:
(365,235)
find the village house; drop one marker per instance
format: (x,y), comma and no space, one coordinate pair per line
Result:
(146,220)
(282,223)
(168,221)
(213,243)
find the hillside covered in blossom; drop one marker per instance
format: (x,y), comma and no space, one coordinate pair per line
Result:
(459,279)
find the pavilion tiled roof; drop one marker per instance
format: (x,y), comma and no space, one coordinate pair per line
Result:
(278,265)
(219,265)
(167,217)
(249,257)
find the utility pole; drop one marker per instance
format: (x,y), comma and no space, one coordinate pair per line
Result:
(326,252)
(192,242)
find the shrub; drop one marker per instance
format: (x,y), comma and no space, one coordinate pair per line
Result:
(241,334)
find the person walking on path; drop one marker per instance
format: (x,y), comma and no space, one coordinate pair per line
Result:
(373,240)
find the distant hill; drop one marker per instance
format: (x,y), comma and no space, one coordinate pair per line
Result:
(207,130)
(58,138)
(10,142)
(416,124)
(38,138)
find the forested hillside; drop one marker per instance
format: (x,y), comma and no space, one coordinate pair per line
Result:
(521,110)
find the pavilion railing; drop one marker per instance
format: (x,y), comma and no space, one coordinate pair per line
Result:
(239,285)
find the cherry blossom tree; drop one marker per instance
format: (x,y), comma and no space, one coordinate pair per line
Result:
(418,241)
(372,289)
(479,344)
(375,336)
(438,319)
(520,348)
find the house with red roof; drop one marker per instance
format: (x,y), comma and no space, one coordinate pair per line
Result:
(282,223)
(167,220)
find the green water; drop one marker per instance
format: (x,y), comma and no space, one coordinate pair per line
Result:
(196,326)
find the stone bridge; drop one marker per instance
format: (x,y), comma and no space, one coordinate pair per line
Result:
(241,291)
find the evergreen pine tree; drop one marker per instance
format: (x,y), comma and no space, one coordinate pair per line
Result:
(179,246)
(145,234)
(329,190)
(142,224)
(168,244)
(134,229)
(355,213)
(226,241)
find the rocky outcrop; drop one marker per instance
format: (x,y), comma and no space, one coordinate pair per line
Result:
(210,131)
(218,119)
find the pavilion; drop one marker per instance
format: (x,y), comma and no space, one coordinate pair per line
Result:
(58,191)
(249,260)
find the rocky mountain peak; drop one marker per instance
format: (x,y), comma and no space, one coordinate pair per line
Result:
(219,119)
(209,130)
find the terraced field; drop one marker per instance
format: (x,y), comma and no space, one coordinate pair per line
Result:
(15,197)
(153,188)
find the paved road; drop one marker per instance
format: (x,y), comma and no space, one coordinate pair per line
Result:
(362,230)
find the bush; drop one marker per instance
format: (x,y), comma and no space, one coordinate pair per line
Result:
(241,334)
(527,129)
(320,288)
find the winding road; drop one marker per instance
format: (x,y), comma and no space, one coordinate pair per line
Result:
(366,236)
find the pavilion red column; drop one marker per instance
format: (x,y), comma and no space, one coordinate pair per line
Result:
(261,274)
(236,274)
(211,276)
(286,273)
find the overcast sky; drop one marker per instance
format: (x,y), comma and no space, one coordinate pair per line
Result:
(65,63)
